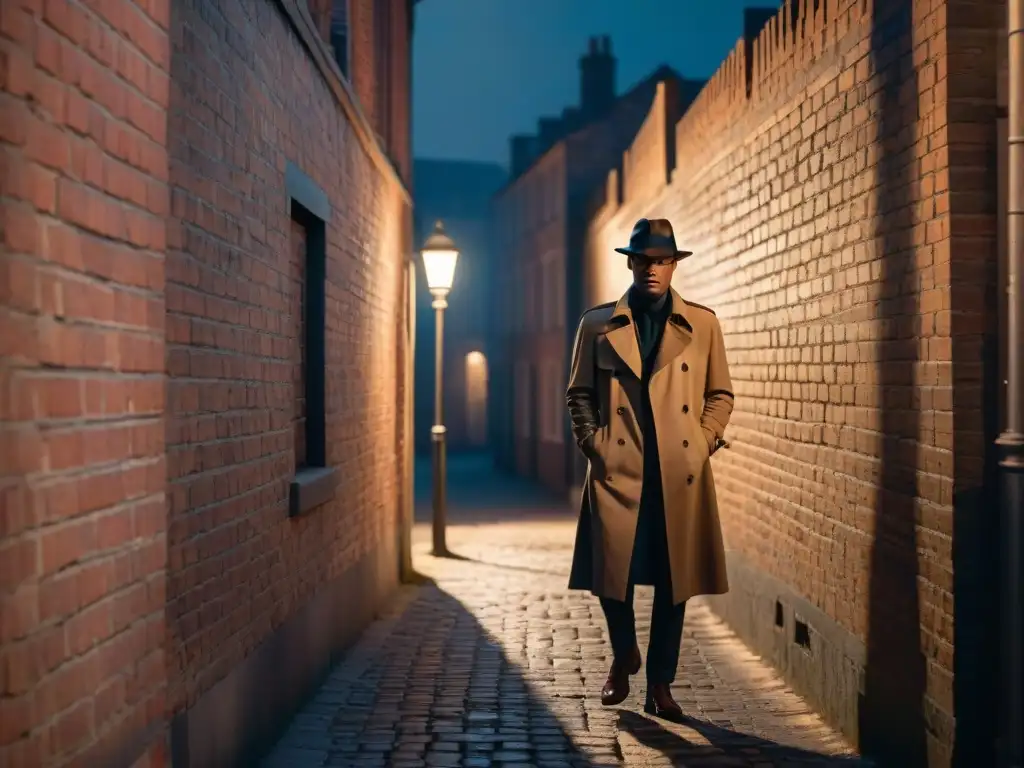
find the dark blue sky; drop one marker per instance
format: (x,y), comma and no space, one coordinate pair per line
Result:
(486,69)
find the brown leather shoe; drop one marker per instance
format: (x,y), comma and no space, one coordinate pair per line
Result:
(661,704)
(616,687)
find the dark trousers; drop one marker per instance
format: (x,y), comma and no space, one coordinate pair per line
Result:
(666,632)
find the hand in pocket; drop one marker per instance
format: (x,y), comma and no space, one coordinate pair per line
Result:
(593,456)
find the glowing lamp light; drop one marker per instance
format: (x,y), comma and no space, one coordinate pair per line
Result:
(439,259)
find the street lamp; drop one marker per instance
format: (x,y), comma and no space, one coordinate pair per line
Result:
(439,258)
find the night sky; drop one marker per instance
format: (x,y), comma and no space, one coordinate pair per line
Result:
(486,69)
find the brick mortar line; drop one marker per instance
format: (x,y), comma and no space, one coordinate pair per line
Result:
(47,477)
(53,219)
(92,278)
(85,323)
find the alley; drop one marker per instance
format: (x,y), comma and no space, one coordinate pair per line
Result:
(492,661)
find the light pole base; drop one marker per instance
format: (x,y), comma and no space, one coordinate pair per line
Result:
(438,433)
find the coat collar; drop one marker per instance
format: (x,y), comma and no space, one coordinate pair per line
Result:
(622,334)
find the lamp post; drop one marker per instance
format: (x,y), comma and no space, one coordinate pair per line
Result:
(439,258)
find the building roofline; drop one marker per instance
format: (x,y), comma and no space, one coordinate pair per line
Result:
(663,72)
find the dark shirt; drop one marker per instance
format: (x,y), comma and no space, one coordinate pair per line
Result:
(650,317)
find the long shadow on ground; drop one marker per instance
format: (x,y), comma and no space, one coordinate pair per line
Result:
(725,747)
(429,684)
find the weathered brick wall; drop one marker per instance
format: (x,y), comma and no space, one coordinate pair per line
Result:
(840,202)
(238,566)
(83,193)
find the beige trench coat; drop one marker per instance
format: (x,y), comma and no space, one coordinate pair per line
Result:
(692,400)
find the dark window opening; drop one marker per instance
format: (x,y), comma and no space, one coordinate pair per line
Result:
(308,259)
(297,267)
(314,481)
(779,616)
(339,34)
(801,634)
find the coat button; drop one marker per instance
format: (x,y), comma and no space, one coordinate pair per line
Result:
(620,410)
(621,441)
(689,480)
(684,367)
(686,443)
(686,409)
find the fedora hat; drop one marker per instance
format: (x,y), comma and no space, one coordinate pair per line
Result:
(653,239)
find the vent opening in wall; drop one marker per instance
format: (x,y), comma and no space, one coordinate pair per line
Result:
(780,620)
(801,634)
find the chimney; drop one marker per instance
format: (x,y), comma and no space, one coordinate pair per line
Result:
(521,147)
(549,130)
(597,78)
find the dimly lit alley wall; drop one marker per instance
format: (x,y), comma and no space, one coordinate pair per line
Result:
(203,337)
(458,193)
(837,182)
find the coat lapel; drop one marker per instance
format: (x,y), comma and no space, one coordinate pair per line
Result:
(622,336)
(678,334)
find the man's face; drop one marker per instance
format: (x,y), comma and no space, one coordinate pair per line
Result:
(652,277)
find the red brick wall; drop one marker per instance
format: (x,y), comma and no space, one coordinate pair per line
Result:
(822,208)
(83,172)
(238,566)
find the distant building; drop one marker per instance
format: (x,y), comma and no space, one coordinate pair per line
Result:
(541,219)
(459,193)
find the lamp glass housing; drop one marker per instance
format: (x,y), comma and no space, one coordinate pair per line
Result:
(439,265)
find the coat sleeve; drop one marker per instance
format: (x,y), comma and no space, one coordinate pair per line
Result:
(718,396)
(581,393)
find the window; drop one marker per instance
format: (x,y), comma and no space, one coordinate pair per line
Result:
(340,35)
(314,481)
(299,242)
(523,415)
(545,285)
(529,299)
(560,299)
(551,292)
(553,401)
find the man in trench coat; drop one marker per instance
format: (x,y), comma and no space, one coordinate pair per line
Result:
(649,397)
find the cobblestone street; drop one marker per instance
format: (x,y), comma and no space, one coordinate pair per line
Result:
(492,661)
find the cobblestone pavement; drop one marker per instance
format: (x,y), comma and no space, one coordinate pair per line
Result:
(493,662)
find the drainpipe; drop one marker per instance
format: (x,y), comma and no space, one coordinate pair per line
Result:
(1010,443)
